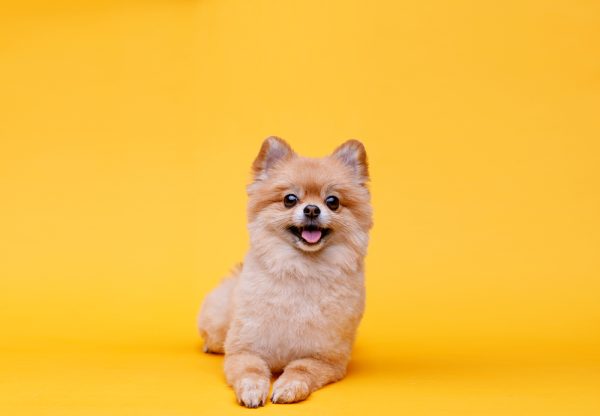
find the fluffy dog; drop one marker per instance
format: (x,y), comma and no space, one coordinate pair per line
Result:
(295,303)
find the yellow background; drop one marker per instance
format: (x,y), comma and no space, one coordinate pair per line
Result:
(127,130)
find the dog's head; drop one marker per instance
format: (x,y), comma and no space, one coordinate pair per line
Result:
(307,203)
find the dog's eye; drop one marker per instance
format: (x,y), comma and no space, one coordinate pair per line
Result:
(332,202)
(290,200)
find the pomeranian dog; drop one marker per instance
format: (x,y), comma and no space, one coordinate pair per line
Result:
(294,305)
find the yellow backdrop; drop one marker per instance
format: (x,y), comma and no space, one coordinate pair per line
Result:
(127,130)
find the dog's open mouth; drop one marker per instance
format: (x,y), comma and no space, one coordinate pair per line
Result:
(309,234)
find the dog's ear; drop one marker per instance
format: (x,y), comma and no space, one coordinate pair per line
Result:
(272,151)
(353,154)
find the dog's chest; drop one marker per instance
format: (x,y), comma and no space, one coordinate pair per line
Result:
(289,319)
(289,307)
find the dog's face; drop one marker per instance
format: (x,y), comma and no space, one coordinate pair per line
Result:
(307,203)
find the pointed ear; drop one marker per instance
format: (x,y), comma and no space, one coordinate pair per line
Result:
(272,151)
(353,154)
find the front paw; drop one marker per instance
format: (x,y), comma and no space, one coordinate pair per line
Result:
(252,391)
(289,390)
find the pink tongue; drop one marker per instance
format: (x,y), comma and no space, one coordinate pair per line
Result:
(311,236)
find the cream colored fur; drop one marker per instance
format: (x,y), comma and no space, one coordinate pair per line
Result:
(293,307)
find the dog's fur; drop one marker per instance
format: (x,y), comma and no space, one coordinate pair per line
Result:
(294,306)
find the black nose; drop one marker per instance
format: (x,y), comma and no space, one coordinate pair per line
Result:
(312,211)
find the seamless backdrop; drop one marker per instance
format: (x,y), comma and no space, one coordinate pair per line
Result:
(127,130)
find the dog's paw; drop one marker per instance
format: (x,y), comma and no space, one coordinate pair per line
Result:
(289,391)
(211,349)
(252,391)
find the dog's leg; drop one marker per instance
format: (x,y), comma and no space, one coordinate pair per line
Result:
(250,377)
(215,314)
(302,377)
